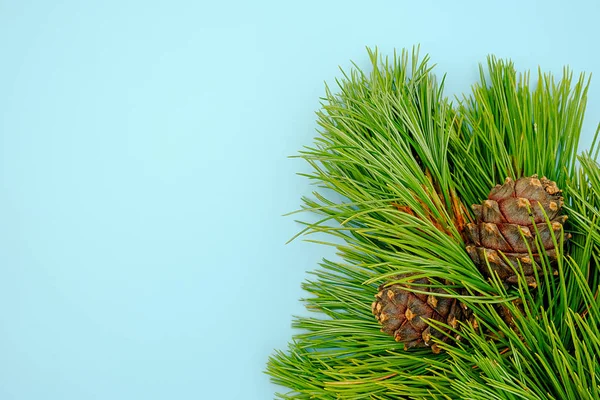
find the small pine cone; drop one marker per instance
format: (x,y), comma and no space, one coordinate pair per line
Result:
(402,314)
(504,227)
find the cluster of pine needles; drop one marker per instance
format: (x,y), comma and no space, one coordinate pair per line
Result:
(390,141)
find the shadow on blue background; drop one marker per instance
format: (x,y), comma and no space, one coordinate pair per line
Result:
(144,174)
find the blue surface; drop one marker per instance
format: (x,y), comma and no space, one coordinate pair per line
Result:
(143,174)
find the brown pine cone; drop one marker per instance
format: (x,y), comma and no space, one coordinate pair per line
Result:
(402,314)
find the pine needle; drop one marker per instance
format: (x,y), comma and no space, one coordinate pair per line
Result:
(400,163)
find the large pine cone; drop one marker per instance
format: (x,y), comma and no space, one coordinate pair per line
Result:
(505,224)
(402,314)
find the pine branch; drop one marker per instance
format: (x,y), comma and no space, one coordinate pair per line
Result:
(402,164)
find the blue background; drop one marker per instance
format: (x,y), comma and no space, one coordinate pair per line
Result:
(144,172)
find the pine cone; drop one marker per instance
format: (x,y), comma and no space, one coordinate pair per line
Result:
(402,314)
(504,229)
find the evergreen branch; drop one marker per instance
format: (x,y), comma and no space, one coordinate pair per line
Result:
(402,163)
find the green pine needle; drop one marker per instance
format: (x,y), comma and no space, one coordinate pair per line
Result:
(391,142)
